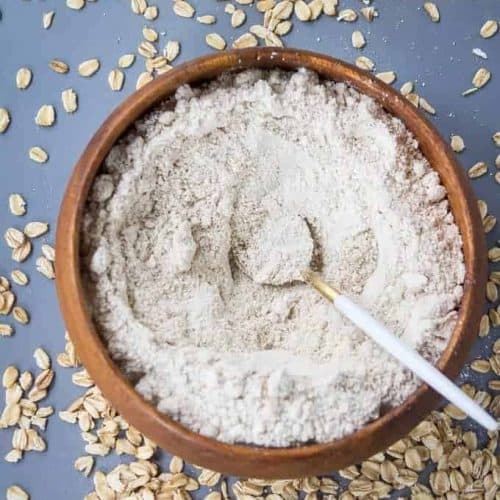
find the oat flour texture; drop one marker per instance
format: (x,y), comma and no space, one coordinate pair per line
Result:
(184,193)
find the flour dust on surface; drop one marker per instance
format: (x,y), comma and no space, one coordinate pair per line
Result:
(170,223)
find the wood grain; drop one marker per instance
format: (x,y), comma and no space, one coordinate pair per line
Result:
(241,459)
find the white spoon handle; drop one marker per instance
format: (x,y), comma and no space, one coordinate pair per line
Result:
(412,360)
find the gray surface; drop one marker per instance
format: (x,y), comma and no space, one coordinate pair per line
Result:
(437,56)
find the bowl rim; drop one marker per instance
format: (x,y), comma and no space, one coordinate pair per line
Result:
(241,459)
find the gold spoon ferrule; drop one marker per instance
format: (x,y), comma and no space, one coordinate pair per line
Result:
(313,279)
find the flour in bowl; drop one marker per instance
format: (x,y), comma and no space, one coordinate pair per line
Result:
(198,181)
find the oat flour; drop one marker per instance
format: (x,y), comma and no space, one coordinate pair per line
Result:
(182,197)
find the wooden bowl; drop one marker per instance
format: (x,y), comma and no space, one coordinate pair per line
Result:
(252,461)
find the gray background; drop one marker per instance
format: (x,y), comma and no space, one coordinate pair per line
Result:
(437,56)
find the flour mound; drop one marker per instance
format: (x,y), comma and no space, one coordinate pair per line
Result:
(201,175)
(278,252)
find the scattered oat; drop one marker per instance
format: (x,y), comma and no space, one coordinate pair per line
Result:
(42,358)
(316,7)
(116,79)
(470,91)
(480,53)
(13,456)
(259,31)
(496,139)
(365,63)
(46,116)
(481,78)
(23,78)
(330,7)
(480,365)
(150,34)
(143,79)
(457,143)
(494,317)
(38,155)
(206,19)
(491,291)
(58,66)
(494,385)
(6,330)
(46,267)
(406,88)
(245,40)
(4,120)
(25,381)
(49,252)
(265,5)
(138,6)
(14,237)
(302,11)
(283,28)
(20,315)
(489,222)
(15,492)
(84,464)
(209,477)
(82,378)
(4,284)
(284,9)
(455,413)
(215,41)
(35,229)
(69,100)
(176,465)
(7,301)
(238,18)
(273,40)
(439,482)
(432,11)
(147,49)
(21,253)
(17,204)
(47,19)
(172,50)
(489,28)
(426,106)
(19,277)
(183,8)
(126,61)
(75,4)
(477,170)
(369,13)
(89,67)
(387,76)
(10,376)
(483,208)
(358,40)
(494,254)
(347,15)
(97,449)
(495,277)
(215,495)
(11,414)
(151,13)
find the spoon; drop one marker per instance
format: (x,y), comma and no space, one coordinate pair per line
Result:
(263,261)
(405,354)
